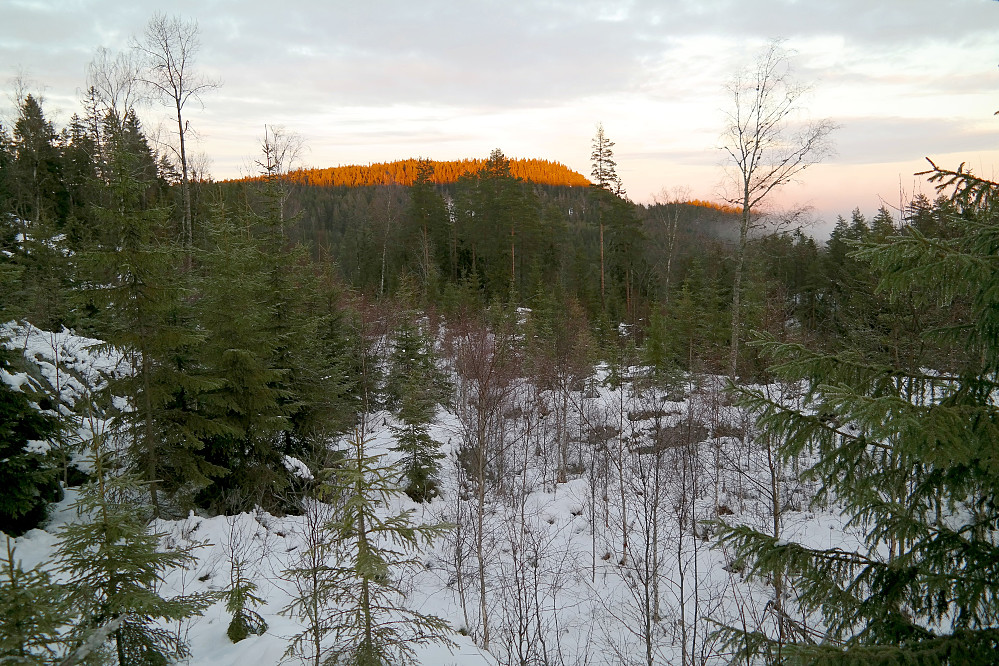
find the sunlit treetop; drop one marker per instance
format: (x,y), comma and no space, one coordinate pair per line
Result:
(404,172)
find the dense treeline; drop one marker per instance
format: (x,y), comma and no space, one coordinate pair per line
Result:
(491,237)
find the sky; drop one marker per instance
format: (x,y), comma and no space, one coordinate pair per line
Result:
(380,80)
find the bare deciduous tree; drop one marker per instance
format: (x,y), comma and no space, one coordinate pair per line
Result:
(168,48)
(385,213)
(486,366)
(767,145)
(117,80)
(281,150)
(114,87)
(311,579)
(539,563)
(668,203)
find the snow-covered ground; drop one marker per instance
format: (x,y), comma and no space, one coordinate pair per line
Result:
(594,546)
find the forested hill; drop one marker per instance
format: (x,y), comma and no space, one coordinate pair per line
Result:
(405,172)
(497,236)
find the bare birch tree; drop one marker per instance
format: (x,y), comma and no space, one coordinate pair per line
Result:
(485,361)
(281,150)
(767,146)
(114,87)
(667,208)
(168,48)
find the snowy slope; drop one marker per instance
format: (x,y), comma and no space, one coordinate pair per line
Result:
(613,565)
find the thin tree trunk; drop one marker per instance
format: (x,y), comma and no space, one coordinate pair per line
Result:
(513,260)
(620,473)
(778,580)
(561,432)
(385,239)
(740,263)
(480,555)
(480,525)
(362,551)
(152,457)
(426,260)
(185,187)
(669,256)
(603,305)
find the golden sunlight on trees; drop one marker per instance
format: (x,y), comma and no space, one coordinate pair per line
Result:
(404,172)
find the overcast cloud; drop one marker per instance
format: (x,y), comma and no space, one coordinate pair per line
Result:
(375,81)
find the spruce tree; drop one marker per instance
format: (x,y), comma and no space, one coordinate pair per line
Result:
(240,599)
(414,387)
(497,218)
(44,288)
(37,185)
(28,474)
(145,314)
(304,324)
(369,624)
(421,454)
(413,358)
(114,566)
(624,239)
(426,232)
(329,373)
(243,400)
(6,187)
(659,351)
(33,210)
(33,610)
(912,456)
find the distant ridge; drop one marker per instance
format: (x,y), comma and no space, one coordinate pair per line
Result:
(403,172)
(721,207)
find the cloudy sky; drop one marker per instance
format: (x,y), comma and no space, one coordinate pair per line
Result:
(377,80)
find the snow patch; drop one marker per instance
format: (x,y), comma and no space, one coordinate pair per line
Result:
(297,467)
(37,446)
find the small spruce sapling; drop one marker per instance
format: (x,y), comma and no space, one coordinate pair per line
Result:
(415,386)
(32,610)
(114,568)
(371,625)
(421,454)
(240,597)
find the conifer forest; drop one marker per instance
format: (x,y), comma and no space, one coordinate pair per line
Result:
(488,411)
